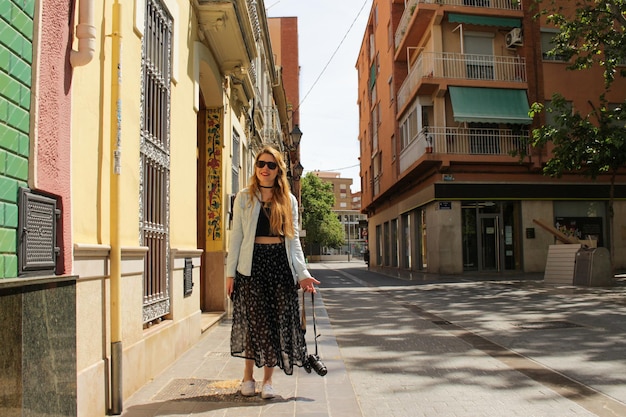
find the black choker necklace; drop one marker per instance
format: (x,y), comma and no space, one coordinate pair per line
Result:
(266,186)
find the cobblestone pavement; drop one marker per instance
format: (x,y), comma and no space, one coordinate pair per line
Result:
(444,346)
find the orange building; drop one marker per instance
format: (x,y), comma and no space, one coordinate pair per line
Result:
(444,92)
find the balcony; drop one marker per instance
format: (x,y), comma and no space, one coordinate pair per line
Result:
(490,4)
(227,28)
(430,67)
(414,21)
(426,8)
(440,141)
(271,131)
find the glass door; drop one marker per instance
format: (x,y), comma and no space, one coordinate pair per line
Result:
(489,243)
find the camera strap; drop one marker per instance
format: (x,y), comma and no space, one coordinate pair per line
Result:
(315,335)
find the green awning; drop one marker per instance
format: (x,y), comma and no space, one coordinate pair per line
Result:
(507,22)
(489,105)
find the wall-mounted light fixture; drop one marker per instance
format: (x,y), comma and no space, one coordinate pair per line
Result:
(297,171)
(296,136)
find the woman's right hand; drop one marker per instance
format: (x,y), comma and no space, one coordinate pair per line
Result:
(230,285)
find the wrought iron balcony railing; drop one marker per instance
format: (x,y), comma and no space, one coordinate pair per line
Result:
(454,65)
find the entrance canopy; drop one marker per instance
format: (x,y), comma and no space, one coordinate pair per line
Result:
(489,105)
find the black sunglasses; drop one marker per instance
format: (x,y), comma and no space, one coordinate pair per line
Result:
(270,165)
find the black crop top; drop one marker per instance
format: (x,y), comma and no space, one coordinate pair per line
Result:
(263,224)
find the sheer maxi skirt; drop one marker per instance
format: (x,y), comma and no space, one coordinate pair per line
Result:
(266,312)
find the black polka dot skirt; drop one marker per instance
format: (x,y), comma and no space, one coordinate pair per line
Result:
(266,312)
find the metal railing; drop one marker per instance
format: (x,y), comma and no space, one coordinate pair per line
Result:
(490,4)
(478,141)
(454,65)
(464,141)
(412,5)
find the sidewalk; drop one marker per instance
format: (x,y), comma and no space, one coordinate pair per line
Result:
(205,382)
(475,341)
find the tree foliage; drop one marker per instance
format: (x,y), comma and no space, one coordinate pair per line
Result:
(322,226)
(587,141)
(590,34)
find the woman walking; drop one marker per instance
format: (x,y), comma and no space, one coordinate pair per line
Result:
(265,268)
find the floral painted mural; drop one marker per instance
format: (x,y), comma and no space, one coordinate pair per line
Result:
(213,174)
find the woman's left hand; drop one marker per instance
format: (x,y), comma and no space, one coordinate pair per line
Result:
(308,284)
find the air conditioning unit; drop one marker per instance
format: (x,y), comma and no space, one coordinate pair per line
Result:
(514,38)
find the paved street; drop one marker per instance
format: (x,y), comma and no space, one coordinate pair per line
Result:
(513,347)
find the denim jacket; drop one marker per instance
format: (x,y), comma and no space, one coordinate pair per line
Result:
(242,234)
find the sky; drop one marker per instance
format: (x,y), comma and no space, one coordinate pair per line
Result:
(330,34)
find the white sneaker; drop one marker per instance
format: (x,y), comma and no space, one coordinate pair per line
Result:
(267,392)
(248,388)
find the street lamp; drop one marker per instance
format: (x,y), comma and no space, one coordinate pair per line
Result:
(296,136)
(297,171)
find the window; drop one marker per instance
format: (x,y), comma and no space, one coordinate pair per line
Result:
(236,162)
(155,156)
(409,128)
(374,128)
(393,241)
(386,251)
(484,138)
(479,55)
(551,116)
(615,108)
(379,245)
(405,236)
(376,172)
(547,44)
(376,16)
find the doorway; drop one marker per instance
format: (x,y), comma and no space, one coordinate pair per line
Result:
(491,236)
(490,254)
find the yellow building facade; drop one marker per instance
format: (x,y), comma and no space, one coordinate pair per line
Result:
(166,119)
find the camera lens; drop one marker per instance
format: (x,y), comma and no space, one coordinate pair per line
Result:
(317,365)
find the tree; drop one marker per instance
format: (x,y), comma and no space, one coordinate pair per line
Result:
(591,144)
(322,226)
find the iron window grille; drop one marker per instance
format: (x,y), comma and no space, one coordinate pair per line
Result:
(155,160)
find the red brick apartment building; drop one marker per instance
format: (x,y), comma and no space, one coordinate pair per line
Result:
(284,38)
(444,92)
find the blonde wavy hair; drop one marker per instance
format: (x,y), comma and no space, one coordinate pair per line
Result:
(281,219)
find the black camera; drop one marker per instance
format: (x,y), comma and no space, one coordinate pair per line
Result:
(315,363)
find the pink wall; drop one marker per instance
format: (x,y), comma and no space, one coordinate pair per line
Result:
(53,87)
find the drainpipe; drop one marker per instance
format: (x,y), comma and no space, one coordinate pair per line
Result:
(116,250)
(86,34)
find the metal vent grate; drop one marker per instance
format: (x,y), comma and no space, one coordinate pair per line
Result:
(37,226)
(188,276)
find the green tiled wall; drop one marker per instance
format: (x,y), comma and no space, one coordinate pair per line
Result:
(16,53)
